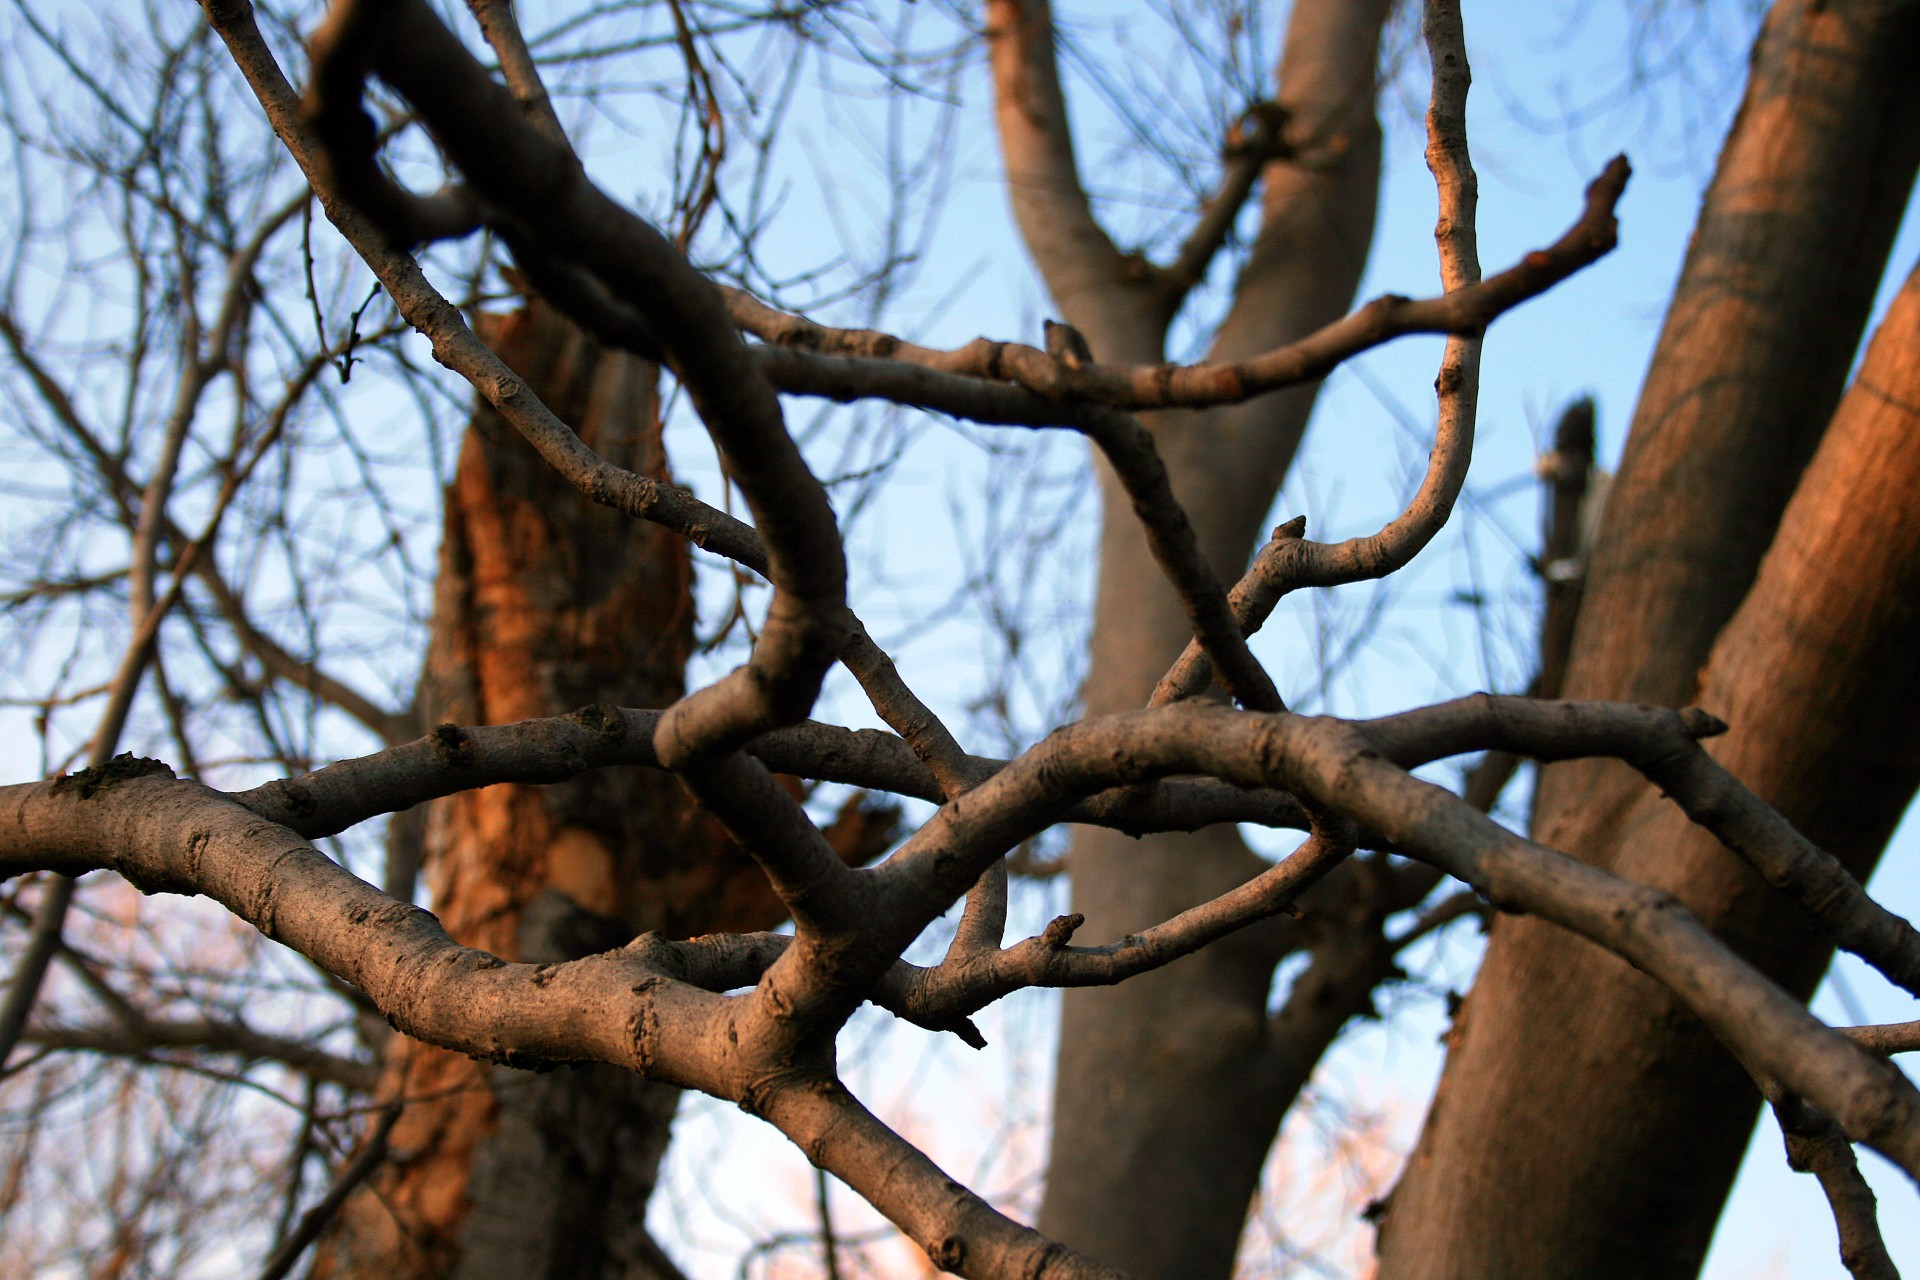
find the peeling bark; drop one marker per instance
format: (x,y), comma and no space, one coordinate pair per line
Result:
(546,603)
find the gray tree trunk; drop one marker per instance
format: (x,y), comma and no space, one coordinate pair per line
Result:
(1170,1088)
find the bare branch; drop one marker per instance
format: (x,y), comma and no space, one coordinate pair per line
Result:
(1085,273)
(141,1038)
(452,759)
(175,835)
(932,743)
(501,26)
(1894,1037)
(372,1154)
(970,981)
(1258,137)
(961,1233)
(1816,1145)
(1664,746)
(807,359)
(455,345)
(1252,599)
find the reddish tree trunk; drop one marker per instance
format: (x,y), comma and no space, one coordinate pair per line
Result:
(1586,1126)
(547,603)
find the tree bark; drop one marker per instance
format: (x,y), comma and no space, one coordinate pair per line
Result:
(1171,1087)
(545,604)
(1585,1125)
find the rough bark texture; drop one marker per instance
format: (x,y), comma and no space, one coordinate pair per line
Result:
(1619,1158)
(1171,1087)
(546,603)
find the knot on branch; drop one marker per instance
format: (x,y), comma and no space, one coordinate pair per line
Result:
(1260,131)
(451,744)
(948,1252)
(1067,345)
(1700,723)
(91,782)
(1060,932)
(603,722)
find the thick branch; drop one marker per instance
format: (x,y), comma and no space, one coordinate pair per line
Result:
(962,1234)
(619,1007)
(175,836)
(1084,272)
(1342,769)
(536,186)
(453,759)
(1663,745)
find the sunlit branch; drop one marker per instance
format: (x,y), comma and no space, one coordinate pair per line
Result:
(812,359)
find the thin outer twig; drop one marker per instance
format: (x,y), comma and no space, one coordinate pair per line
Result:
(144,1035)
(1816,1145)
(369,1158)
(44,939)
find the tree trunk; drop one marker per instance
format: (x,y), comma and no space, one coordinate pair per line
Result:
(547,603)
(1171,1087)
(1585,1125)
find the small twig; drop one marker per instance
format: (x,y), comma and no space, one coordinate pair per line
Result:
(1886,1039)
(370,1156)
(966,983)
(829,1244)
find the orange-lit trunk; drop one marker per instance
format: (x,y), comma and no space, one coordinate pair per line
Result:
(547,603)
(1586,1126)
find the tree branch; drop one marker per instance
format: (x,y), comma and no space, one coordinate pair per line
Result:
(372,1154)
(1815,1145)
(849,364)
(1084,272)
(1663,745)
(1257,138)
(140,1038)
